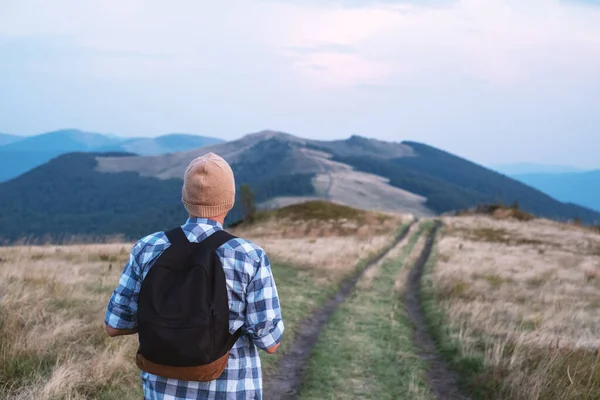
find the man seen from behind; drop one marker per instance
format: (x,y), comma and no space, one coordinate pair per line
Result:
(202,301)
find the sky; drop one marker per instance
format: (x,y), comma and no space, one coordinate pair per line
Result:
(496,81)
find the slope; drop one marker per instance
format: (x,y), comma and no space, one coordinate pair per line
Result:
(105,194)
(20,156)
(331,180)
(450,183)
(5,138)
(532,168)
(169,143)
(68,197)
(579,187)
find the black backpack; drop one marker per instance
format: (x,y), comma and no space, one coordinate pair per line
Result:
(183,311)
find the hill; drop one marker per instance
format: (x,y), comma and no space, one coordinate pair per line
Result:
(105,194)
(532,168)
(19,156)
(22,155)
(579,187)
(450,183)
(5,138)
(91,205)
(169,143)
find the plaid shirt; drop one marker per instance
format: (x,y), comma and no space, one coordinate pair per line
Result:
(253,305)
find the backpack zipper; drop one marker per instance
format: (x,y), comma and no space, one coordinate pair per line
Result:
(213,333)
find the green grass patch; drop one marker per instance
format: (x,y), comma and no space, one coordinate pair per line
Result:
(19,369)
(366,349)
(300,294)
(317,210)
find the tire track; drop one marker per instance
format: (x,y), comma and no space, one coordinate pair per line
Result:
(285,383)
(442,380)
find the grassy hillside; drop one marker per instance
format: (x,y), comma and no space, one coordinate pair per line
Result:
(70,196)
(450,182)
(67,197)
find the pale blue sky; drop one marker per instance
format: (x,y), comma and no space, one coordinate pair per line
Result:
(497,81)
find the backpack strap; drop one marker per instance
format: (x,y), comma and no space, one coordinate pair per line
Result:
(212,243)
(181,248)
(216,240)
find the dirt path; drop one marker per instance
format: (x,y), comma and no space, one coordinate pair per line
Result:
(443,381)
(285,383)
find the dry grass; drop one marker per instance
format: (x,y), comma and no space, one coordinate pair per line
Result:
(53,299)
(53,344)
(526,296)
(330,247)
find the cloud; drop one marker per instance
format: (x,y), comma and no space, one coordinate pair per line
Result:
(441,71)
(352,43)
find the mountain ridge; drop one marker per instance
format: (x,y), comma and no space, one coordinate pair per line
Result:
(6,138)
(21,155)
(405,177)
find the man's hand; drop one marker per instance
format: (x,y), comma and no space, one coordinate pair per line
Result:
(112,332)
(273,349)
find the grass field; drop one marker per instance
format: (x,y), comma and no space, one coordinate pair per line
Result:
(53,343)
(366,349)
(52,302)
(519,303)
(514,308)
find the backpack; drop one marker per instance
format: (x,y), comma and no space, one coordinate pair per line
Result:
(183,311)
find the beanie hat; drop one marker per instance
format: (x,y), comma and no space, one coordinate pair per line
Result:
(208,187)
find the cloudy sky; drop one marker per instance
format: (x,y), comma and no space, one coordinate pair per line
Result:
(496,81)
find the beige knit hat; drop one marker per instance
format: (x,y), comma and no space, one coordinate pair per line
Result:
(208,187)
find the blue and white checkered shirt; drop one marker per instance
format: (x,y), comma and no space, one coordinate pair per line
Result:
(253,305)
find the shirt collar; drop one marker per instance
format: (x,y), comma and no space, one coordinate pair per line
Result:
(203,221)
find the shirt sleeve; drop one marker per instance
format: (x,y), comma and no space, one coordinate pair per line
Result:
(121,312)
(263,315)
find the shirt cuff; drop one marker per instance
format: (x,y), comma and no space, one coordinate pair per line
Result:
(115,321)
(270,339)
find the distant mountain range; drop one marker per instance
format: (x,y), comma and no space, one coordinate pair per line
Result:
(531,168)
(6,138)
(20,154)
(580,188)
(98,194)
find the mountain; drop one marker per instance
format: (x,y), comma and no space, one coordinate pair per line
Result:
(22,155)
(5,138)
(66,140)
(170,143)
(580,188)
(531,168)
(106,194)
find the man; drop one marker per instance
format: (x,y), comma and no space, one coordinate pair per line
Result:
(208,194)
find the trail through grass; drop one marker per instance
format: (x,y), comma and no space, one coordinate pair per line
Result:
(366,350)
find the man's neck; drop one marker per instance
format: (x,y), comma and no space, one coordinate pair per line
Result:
(220,219)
